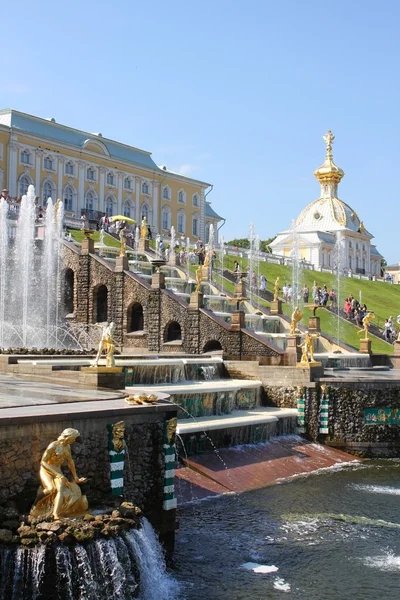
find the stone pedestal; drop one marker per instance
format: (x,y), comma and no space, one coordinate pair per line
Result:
(173,259)
(240,289)
(276,307)
(196,300)
(365,346)
(143,245)
(87,246)
(314,368)
(121,264)
(314,325)
(292,353)
(238,320)
(102,377)
(396,347)
(158,280)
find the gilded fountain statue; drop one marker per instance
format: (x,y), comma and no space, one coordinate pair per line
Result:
(307,348)
(297,315)
(366,323)
(107,343)
(57,495)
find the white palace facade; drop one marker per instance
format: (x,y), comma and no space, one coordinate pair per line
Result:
(328,231)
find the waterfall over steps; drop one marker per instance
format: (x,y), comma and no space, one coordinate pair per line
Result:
(130,566)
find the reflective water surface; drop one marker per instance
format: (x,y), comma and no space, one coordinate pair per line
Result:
(334,535)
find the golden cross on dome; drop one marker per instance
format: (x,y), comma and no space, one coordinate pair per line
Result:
(328,139)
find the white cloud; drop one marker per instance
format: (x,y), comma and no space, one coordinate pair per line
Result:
(187,169)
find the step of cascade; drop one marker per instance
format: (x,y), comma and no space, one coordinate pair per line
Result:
(238,418)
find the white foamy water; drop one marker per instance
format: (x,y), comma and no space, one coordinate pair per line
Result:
(376,489)
(251,566)
(280,584)
(384,562)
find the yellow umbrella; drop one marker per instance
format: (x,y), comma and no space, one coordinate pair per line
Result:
(122,218)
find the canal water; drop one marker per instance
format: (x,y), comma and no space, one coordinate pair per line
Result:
(332,535)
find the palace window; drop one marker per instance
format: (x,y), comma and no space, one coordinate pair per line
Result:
(181,197)
(195,200)
(23,185)
(356,246)
(25,157)
(165,193)
(350,244)
(145,212)
(48,163)
(166,219)
(110,201)
(89,200)
(128,209)
(145,188)
(47,191)
(195,226)
(90,174)
(110,179)
(69,168)
(127,184)
(68,198)
(181,222)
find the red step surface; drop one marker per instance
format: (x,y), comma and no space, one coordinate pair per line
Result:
(247,468)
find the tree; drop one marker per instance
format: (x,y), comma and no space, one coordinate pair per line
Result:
(239,243)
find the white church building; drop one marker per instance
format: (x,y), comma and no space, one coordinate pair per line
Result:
(328,230)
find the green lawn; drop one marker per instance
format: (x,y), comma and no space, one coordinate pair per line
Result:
(382,298)
(78,235)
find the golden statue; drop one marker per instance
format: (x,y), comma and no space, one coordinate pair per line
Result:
(296,317)
(108,344)
(122,239)
(276,290)
(58,495)
(199,278)
(308,347)
(144,230)
(366,323)
(118,434)
(206,260)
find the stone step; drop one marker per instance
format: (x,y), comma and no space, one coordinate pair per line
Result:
(237,418)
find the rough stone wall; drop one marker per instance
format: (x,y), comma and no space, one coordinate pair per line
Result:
(22,446)
(160,308)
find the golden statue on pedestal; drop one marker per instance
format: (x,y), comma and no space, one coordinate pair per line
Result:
(366,323)
(276,290)
(199,278)
(106,343)
(296,317)
(122,239)
(57,495)
(308,347)
(144,230)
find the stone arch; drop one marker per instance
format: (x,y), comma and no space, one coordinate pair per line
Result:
(173,332)
(135,318)
(100,304)
(212,346)
(69,289)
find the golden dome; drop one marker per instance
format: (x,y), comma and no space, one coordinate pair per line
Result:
(329,172)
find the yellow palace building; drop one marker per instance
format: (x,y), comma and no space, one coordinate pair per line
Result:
(94,175)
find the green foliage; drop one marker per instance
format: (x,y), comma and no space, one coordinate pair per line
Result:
(239,243)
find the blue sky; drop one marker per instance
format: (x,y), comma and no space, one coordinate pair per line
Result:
(237,94)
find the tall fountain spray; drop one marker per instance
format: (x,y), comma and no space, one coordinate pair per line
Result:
(172,247)
(221,257)
(297,271)
(210,252)
(30,275)
(338,267)
(137,238)
(25,280)
(253,257)
(3,264)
